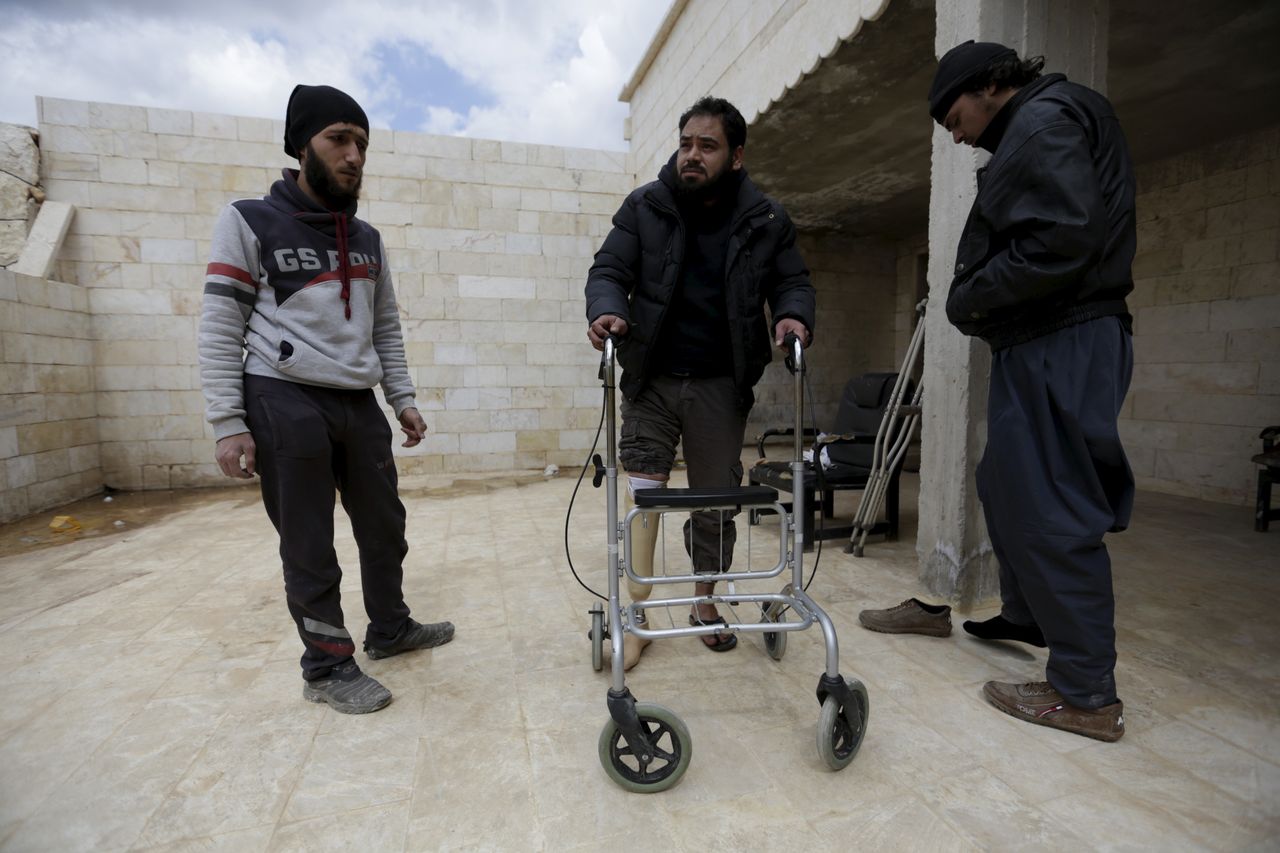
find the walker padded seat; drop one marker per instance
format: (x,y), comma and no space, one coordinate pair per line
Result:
(863,405)
(696,498)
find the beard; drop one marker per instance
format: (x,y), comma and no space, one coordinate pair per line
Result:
(691,190)
(326,184)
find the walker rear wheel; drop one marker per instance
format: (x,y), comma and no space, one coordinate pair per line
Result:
(672,750)
(840,730)
(597,638)
(775,642)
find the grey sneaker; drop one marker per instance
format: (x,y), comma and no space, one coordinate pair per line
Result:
(912,616)
(414,636)
(347,690)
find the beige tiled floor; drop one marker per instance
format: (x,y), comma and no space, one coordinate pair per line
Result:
(152,701)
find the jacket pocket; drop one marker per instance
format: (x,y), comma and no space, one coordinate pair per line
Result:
(752,273)
(974,242)
(288,356)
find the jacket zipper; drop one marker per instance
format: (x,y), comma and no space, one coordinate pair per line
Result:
(759,207)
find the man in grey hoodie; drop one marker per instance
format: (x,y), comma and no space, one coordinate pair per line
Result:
(299,323)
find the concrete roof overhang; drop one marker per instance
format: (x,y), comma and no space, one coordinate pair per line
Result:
(847,148)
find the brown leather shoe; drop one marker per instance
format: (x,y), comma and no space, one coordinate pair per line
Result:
(1037,702)
(912,616)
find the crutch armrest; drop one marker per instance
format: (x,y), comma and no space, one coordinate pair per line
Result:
(846,438)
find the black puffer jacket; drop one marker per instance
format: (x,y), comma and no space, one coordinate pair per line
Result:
(638,267)
(1050,239)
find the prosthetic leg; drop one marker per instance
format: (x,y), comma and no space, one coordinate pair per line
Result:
(644,538)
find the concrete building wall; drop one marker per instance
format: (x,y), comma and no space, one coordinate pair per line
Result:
(489,242)
(854,280)
(1206,305)
(48,426)
(749,53)
(956,559)
(911,267)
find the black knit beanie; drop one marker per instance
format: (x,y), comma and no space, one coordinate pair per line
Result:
(313,108)
(957,68)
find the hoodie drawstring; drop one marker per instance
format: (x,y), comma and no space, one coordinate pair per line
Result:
(340,222)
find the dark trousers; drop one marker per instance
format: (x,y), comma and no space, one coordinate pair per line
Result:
(310,442)
(708,416)
(1053,480)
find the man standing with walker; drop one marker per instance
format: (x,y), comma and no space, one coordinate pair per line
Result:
(682,280)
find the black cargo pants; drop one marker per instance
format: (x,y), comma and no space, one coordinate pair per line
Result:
(310,442)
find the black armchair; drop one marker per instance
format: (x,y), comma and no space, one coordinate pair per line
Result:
(1268,473)
(863,406)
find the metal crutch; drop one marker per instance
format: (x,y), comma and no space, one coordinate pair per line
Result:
(892,439)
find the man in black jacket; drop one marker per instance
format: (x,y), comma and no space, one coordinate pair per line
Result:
(1041,275)
(682,280)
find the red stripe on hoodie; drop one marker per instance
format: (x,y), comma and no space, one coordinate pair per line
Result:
(231,272)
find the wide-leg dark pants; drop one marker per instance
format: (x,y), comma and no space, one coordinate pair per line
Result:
(709,418)
(310,442)
(1053,480)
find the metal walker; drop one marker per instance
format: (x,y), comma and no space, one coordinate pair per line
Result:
(645,747)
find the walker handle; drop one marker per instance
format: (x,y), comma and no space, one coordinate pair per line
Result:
(795,352)
(608,355)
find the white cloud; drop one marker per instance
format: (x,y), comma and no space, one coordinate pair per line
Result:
(551,70)
(443,120)
(568,108)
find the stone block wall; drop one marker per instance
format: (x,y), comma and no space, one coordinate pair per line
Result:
(1207,318)
(749,53)
(489,243)
(48,426)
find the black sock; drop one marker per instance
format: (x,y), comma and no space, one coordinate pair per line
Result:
(999,628)
(934,609)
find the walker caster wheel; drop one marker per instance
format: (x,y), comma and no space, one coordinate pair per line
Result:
(597,636)
(672,749)
(775,642)
(840,729)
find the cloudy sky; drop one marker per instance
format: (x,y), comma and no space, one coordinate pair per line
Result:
(544,71)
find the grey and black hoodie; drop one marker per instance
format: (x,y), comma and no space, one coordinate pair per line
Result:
(307,292)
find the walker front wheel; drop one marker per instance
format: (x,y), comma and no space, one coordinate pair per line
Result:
(841,729)
(672,750)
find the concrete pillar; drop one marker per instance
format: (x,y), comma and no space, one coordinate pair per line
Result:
(955,554)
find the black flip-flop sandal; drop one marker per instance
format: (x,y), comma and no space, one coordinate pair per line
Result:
(724,642)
